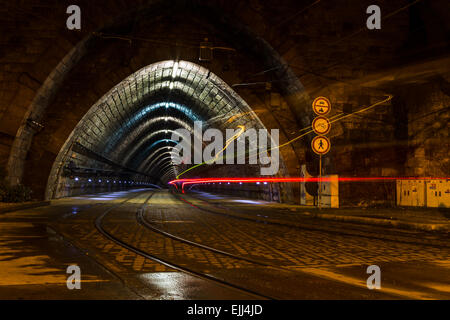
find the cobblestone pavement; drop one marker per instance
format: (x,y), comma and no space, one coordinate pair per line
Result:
(235,271)
(283,214)
(152,280)
(328,254)
(280,245)
(324,261)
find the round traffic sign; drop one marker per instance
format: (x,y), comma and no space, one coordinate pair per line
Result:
(321,106)
(321,125)
(321,145)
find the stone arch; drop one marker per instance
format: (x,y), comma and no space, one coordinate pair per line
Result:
(90,143)
(233,31)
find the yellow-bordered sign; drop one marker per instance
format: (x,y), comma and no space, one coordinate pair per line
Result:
(321,125)
(321,145)
(321,106)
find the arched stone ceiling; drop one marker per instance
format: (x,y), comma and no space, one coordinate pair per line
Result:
(230,29)
(130,127)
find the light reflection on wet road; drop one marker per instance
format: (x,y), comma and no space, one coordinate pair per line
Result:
(38,244)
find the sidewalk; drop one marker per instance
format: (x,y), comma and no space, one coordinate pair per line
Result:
(34,260)
(10,207)
(422,219)
(425,219)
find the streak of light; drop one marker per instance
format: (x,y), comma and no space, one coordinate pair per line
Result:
(227,143)
(184,182)
(232,118)
(333,119)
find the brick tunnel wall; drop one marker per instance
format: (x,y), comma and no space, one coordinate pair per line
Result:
(378,143)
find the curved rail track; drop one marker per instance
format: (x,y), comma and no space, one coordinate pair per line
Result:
(139,215)
(186,245)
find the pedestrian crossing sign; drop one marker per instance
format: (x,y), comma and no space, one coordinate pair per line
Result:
(321,145)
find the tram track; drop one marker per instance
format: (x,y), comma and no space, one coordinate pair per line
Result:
(99,221)
(192,256)
(143,220)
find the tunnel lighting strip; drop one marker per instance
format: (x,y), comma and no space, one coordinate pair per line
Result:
(258,180)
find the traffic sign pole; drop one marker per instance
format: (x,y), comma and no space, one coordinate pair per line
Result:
(321,144)
(320,180)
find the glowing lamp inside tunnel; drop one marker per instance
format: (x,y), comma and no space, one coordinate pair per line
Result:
(76,179)
(90,180)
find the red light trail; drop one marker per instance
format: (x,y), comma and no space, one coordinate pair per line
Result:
(184,182)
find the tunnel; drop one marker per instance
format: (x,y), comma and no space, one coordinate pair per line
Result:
(126,137)
(222,151)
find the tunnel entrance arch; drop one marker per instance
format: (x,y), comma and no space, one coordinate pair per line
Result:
(80,72)
(131,124)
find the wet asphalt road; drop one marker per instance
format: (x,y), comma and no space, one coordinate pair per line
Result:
(204,253)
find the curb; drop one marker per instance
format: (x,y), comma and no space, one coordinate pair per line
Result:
(443,227)
(24,206)
(361,220)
